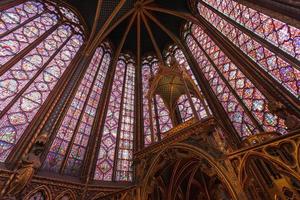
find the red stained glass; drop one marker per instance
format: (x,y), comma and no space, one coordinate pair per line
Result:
(26,85)
(252,98)
(104,166)
(18,40)
(125,154)
(183,103)
(77,124)
(149,68)
(282,71)
(164,119)
(146,73)
(237,115)
(278,33)
(17,15)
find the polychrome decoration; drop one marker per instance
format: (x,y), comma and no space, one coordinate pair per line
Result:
(37,44)
(114,162)
(68,149)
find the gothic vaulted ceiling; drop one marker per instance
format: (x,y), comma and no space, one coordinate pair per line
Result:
(88,10)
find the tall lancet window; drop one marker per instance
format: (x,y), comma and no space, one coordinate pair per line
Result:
(161,119)
(245,104)
(183,102)
(246,28)
(68,149)
(37,44)
(116,146)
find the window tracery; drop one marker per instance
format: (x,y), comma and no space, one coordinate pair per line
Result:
(36,47)
(273,31)
(116,145)
(68,148)
(38,196)
(245,104)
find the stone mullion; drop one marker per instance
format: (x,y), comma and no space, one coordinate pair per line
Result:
(258,76)
(138,125)
(47,116)
(119,125)
(71,143)
(212,100)
(247,111)
(283,55)
(13,101)
(158,133)
(25,51)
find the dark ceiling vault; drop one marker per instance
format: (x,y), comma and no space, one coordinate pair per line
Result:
(88,11)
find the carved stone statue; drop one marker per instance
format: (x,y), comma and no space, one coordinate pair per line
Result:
(30,163)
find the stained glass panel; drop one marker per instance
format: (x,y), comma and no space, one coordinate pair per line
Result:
(201,105)
(236,113)
(278,33)
(18,40)
(106,156)
(125,151)
(17,15)
(163,114)
(252,98)
(146,73)
(17,77)
(68,130)
(282,71)
(75,158)
(14,122)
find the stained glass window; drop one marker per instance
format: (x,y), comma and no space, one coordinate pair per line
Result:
(125,151)
(37,196)
(184,106)
(160,115)
(244,103)
(69,147)
(280,34)
(116,145)
(163,115)
(276,32)
(42,50)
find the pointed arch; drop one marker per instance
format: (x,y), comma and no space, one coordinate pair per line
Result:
(68,149)
(37,46)
(114,162)
(66,195)
(281,167)
(45,191)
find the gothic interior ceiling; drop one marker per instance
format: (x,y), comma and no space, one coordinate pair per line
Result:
(157,99)
(88,10)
